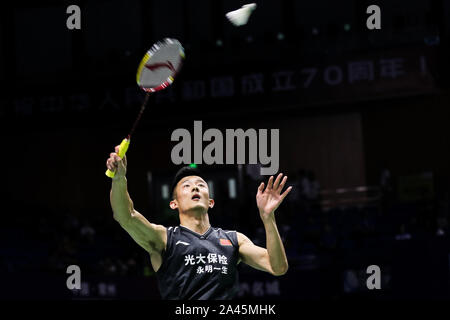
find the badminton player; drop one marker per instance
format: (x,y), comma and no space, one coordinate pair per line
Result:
(195,260)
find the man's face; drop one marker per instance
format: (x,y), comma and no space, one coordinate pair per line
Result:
(192,193)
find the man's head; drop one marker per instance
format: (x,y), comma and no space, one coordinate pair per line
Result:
(190,192)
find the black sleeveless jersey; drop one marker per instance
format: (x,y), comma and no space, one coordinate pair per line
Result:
(199,266)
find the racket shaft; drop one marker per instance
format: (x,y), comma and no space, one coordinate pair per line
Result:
(122,150)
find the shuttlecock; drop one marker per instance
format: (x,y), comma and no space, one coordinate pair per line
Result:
(240,16)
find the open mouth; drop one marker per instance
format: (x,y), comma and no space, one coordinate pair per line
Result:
(196,197)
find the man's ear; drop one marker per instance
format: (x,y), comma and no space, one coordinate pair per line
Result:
(173,204)
(211,203)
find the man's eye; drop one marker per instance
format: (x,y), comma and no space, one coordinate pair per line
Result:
(201,184)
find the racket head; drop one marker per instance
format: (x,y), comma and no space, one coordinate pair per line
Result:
(160,65)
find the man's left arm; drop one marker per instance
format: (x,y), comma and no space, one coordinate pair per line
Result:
(272,258)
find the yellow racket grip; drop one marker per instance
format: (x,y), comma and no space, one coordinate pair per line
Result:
(122,150)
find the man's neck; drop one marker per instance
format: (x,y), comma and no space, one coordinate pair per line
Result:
(197,222)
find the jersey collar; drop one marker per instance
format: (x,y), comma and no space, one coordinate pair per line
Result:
(201,236)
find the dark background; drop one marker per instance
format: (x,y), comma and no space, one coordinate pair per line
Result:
(352,105)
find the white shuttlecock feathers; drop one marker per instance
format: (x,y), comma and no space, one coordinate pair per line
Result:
(240,16)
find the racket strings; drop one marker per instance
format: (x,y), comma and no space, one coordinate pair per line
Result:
(133,128)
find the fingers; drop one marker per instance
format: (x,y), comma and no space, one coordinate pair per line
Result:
(270,183)
(277,181)
(276,185)
(124,158)
(283,182)
(110,165)
(114,157)
(261,187)
(114,160)
(286,192)
(117,164)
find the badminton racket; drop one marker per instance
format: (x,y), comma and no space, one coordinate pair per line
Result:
(156,71)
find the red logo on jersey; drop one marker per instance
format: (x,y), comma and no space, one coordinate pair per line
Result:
(225,242)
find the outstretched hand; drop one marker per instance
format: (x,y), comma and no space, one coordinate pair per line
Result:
(269,199)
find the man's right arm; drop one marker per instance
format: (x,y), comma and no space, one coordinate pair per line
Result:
(150,236)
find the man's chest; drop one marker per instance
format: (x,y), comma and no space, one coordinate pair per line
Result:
(204,256)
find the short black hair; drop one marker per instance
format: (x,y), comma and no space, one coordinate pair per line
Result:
(184,172)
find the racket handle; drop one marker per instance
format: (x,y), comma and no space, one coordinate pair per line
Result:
(122,150)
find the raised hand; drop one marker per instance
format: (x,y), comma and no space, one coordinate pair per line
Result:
(269,199)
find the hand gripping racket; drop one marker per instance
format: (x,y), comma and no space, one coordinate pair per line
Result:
(156,72)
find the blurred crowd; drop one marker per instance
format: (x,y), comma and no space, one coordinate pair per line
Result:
(42,239)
